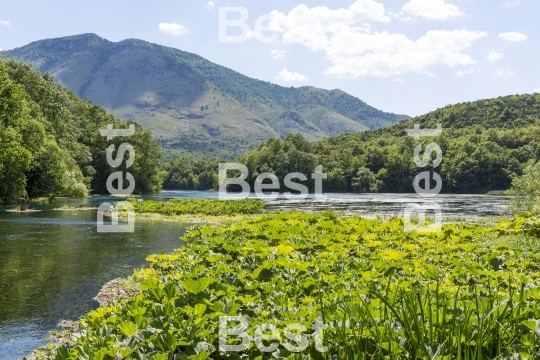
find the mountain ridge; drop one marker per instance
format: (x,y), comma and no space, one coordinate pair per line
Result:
(191,103)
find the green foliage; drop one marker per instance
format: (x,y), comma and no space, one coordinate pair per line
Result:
(526,190)
(50,143)
(383,293)
(210,207)
(190,173)
(485,145)
(526,224)
(365,181)
(20,137)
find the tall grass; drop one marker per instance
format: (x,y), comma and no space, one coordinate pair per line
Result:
(429,324)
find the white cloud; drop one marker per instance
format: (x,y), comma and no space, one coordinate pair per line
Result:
(383,54)
(210,5)
(288,76)
(468,72)
(513,36)
(397,80)
(495,55)
(510,4)
(172,29)
(310,26)
(505,74)
(346,39)
(5,22)
(278,54)
(431,9)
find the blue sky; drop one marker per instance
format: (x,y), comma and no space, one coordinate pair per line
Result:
(404,56)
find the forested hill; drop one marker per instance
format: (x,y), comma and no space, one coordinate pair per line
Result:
(191,103)
(509,112)
(485,145)
(50,143)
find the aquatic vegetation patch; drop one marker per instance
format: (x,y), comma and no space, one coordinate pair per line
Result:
(76,208)
(210,207)
(355,288)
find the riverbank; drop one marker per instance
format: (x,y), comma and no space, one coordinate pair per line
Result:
(293,256)
(237,221)
(55,262)
(112,291)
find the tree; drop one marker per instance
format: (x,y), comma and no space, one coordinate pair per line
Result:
(50,143)
(526,191)
(20,138)
(365,181)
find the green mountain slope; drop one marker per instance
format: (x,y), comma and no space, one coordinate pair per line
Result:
(191,103)
(50,143)
(485,145)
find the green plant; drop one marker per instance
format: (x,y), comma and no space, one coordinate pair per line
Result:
(210,207)
(383,293)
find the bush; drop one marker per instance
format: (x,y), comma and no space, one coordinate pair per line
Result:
(526,191)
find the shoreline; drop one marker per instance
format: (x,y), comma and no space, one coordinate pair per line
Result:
(119,288)
(111,291)
(191,219)
(75,208)
(126,288)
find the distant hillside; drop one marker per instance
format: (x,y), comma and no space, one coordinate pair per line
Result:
(191,103)
(485,145)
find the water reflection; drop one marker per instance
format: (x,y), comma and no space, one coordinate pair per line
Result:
(52,264)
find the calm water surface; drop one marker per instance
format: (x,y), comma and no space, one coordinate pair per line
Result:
(470,206)
(52,263)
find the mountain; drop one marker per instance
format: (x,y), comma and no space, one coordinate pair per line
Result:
(485,144)
(191,103)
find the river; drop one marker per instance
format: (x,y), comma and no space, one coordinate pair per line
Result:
(52,263)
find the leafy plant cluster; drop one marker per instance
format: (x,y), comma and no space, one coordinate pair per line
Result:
(526,190)
(50,143)
(380,292)
(210,207)
(485,144)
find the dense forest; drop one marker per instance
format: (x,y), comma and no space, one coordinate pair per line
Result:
(50,144)
(486,145)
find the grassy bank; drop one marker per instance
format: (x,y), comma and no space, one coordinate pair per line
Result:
(469,292)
